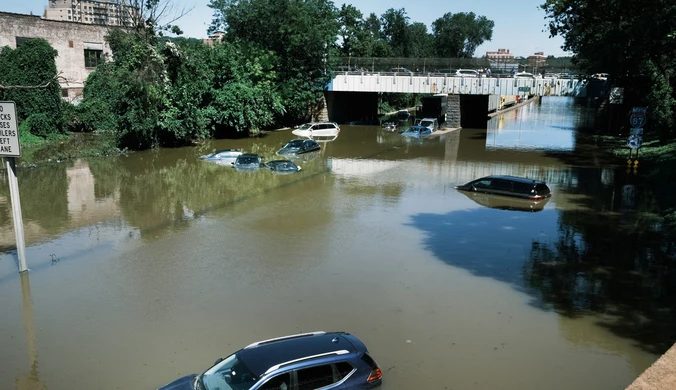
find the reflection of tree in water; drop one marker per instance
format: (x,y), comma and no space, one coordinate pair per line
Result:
(599,264)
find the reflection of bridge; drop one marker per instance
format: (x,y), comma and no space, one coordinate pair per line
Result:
(418,172)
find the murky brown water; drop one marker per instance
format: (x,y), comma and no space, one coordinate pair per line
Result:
(148,267)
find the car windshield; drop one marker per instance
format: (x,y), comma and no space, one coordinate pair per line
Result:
(297,143)
(247,160)
(426,123)
(284,166)
(229,374)
(305,126)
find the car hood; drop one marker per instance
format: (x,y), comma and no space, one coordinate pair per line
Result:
(184,383)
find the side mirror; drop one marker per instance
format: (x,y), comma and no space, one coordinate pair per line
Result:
(218,361)
(232,163)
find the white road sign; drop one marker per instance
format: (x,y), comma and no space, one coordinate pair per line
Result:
(9,131)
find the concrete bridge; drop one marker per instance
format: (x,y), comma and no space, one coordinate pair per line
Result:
(354,96)
(429,84)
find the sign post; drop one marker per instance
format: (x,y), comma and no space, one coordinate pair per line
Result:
(9,148)
(637,120)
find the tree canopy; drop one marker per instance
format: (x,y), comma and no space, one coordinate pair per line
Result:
(627,39)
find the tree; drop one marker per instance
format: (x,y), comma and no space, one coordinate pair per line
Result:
(420,43)
(395,31)
(352,31)
(301,33)
(624,39)
(458,35)
(154,17)
(30,79)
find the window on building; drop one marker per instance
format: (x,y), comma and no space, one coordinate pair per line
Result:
(69,18)
(93,57)
(71,44)
(64,92)
(21,40)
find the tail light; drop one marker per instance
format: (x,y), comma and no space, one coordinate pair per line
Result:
(375,375)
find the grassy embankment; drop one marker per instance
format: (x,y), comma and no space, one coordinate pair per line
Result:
(657,165)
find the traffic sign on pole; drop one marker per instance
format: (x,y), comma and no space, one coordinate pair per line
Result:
(638,117)
(9,148)
(9,132)
(634,141)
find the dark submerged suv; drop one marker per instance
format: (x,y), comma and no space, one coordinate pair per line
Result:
(303,361)
(519,187)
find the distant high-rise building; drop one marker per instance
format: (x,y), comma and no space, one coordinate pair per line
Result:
(103,12)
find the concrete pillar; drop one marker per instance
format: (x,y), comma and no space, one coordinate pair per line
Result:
(320,113)
(453,112)
(474,111)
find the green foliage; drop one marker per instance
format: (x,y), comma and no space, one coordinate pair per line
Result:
(25,135)
(300,34)
(32,65)
(626,40)
(178,91)
(458,35)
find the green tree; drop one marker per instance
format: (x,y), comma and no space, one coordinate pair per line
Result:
(29,78)
(458,35)
(395,29)
(420,43)
(301,33)
(624,39)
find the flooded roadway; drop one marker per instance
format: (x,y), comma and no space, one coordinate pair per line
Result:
(148,267)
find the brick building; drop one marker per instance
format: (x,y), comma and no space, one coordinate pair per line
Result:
(80,46)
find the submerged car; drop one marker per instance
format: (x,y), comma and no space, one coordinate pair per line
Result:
(247,161)
(519,187)
(223,156)
(282,166)
(430,123)
(317,129)
(507,202)
(315,360)
(417,131)
(299,146)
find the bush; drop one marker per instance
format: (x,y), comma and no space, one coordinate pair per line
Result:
(32,64)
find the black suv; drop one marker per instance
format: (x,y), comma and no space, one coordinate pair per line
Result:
(303,361)
(519,187)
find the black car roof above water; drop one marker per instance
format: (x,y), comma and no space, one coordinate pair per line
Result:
(515,178)
(260,358)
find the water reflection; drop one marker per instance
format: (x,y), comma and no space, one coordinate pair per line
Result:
(177,259)
(29,380)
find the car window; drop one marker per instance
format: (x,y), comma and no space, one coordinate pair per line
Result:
(542,189)
(294,144)
(523,188)
(485,183)
(280,382)
(247,160)
(315,377)
(344,368)
(501,185)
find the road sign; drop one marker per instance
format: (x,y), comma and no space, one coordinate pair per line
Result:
(638,117)
(524,89)
(636,131)
(9,131)
(634,141)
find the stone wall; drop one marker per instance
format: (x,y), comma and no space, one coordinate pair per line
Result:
(68,38)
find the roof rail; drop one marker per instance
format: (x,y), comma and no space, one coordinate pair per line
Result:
(293,336)
(280,365)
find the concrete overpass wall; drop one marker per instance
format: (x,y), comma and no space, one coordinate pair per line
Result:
(452,85)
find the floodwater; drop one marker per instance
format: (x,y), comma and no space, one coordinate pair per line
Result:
(147,267)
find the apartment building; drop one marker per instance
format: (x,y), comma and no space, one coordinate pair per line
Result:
(502,55)
(104,12)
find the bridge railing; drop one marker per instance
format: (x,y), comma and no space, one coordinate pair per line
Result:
(428,65)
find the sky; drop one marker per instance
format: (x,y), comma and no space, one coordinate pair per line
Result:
(520,25)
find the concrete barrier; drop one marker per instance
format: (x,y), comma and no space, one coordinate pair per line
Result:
(660,376)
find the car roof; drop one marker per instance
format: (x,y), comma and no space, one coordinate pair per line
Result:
(261,356)
(515,178)
(417,127)
(227,150)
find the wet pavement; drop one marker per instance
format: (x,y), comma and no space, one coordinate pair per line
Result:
(150,266)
